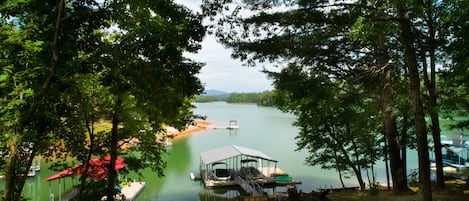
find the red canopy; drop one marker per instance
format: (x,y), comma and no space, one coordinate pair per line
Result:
(97,169)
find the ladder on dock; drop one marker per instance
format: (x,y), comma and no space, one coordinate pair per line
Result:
(250,187)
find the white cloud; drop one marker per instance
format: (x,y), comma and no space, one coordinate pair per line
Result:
(221,72)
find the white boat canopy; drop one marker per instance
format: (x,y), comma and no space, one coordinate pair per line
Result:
(230,151)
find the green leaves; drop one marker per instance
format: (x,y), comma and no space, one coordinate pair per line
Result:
(3,79)
(358,29)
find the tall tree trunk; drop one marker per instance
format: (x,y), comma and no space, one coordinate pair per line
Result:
(15,182)
(339,167)
(113,146)
(11,174)
(346,158)
(430,84)
(398,173)
(357,169)
(425,193)
(17,170)
(341,179)
(358,174)
(406,121)
(386,164)
(84,175)
(404,158)
(404,143)
(397,165)
(432,102)
(26,163)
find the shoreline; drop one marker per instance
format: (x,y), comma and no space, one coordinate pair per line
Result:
(172,133)
(196,126)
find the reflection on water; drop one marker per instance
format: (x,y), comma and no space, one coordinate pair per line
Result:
(157,188)
(177,162)
(219,194)
(231,193)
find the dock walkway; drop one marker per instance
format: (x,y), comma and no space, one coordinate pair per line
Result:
(132,190)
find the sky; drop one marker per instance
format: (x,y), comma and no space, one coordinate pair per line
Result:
(221,72)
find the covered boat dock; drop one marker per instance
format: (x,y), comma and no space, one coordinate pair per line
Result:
(233,165)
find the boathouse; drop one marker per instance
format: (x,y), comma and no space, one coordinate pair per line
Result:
(233,165)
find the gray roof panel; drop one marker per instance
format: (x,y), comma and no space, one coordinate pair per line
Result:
(230,151)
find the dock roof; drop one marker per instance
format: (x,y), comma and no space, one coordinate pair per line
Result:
(230,151)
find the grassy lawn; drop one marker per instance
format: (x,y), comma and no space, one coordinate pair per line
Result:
(453,192)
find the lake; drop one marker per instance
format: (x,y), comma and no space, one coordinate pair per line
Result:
(262,128)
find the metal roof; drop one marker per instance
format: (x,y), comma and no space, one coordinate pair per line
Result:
(230,151)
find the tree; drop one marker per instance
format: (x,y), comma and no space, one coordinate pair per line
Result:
(344,40)
(49,50)
(148,76)
(453,79)
(374,32)
(29,43)
(84,102)
(417,105)
(243,97)
(41,43)
(454,76)
(333,139)
(432,38)
(266,98)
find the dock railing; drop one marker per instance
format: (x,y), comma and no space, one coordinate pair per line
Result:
(257,187)
(250,186)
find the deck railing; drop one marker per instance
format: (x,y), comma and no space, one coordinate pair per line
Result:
(250,186)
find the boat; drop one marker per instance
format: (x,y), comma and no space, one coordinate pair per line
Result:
(35,167)
(249,169)
(221,174)
(455,156)
(282,177)
(455,153)
(233,125)
(455,159)
(165,143)
(31,172)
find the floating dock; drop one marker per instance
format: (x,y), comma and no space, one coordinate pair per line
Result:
(237,178)
(132,190)
(233,125)
(233,165)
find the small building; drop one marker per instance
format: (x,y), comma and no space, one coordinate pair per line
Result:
(233,165)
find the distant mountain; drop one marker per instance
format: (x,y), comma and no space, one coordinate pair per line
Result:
(212,92)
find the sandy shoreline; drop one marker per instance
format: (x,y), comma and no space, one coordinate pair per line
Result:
(197,126)
(172,133)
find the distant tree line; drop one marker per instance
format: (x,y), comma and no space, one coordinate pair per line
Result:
(262,99)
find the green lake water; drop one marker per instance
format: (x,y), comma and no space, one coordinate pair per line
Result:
(262,128)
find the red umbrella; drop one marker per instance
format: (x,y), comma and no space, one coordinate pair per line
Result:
(97,169)
(68,172)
